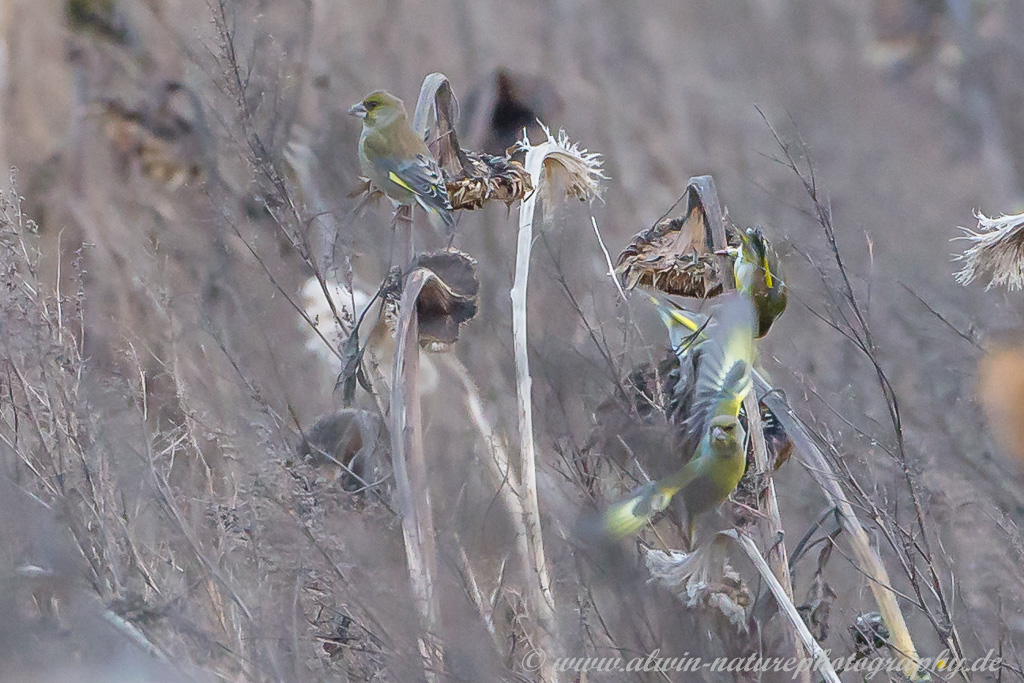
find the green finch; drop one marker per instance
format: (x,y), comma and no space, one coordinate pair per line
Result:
(397,160)
(685,331)
(721,351)
(756,269)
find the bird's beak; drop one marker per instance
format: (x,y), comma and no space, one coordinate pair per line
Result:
(358,110)
(718,434)
(731,251)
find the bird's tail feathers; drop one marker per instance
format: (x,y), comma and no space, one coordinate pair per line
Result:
(436,215)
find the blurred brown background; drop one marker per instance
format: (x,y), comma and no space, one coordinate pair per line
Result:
(192,362)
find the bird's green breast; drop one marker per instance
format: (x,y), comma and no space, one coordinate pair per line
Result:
(717,477)
(373,145)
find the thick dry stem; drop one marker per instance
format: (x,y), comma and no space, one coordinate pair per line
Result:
(411,472)
(773,535)
(539,584)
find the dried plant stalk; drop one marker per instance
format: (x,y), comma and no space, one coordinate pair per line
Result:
(411,472)
(997,247)
(773,534)
(556,162)
(499,468)
(820,660)
(436,96)
(867,559)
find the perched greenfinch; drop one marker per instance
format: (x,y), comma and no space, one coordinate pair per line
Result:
(397,160)
(722,351)
(757,272)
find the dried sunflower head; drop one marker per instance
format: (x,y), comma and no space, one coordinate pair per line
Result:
(675,256)
(561,168)
(488,178)
(446,302)
(997,248)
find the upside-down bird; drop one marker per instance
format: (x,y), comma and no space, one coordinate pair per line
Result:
(758,275)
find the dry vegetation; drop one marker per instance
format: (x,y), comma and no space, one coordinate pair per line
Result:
(185,195)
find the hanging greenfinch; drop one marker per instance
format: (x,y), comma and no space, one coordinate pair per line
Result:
(757,272)
(397,160)
(722,351)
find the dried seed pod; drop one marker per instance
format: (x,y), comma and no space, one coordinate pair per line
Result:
(675,256)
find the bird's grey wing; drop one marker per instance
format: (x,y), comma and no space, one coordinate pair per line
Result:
(421,176)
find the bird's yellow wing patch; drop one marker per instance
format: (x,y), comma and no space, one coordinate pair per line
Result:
(670,315)
(629,516)
(768,279)
(394,177)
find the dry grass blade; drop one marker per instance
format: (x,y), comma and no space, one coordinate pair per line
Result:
(820,660)
(997,247)
(555,162)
